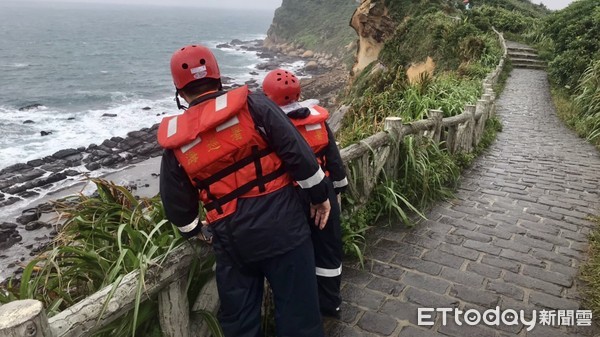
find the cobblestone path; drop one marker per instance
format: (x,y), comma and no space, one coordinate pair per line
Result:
(513,237)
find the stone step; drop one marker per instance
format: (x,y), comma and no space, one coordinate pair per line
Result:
(527,61)
(528,65)
(522,49)
(521,55)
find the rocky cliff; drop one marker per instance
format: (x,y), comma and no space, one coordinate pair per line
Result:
(374,26)
(317,25)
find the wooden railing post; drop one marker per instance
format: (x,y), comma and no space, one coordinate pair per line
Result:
(437,116)
(208,300)
(489,106)
(481,111)
(24,318)
(174,309)
(393,125)
(451,138)
(466,144)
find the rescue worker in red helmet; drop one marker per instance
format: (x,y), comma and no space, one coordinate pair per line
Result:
(283,87)
(237,153)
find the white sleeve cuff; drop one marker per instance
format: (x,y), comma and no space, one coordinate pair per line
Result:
(190,227)
(314,180)
(340,183)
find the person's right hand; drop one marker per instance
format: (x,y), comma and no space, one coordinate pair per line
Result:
(321,213)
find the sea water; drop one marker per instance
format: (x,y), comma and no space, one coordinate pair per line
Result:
(79,62)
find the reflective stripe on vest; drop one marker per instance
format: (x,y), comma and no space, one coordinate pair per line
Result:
(224,156)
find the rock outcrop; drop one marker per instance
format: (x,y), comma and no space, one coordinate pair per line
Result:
(372,23)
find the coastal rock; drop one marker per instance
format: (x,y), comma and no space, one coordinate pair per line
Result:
(146,108)
(35,173)
(30,107)
(109,144)
(266,55)
(28,216)
(71,118)
(8,237)
(64,153)
(130,143)
(29,121)
(45,133)
(33,225)
(308,54)
(35,163)
(254,73)
(9,201)
(312,65)
(8,225)
(49,159)
(117,139)
(15,168)
(108,115)
(108,161)
(236,42)
(268,65)
(74,160)
(92,166)
(15,189)
(54,177)
(136,134)
(54,167)
(223,45)
(145,149)
(100,153)
(28,194)
(71,173)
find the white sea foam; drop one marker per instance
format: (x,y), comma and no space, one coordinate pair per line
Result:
(23,142)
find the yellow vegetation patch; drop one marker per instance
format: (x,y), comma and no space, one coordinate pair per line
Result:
(416,69)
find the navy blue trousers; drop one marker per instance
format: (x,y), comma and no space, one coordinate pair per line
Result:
(327,243)
(292,280)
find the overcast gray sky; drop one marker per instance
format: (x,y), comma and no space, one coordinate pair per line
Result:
(258,4)
(249,4)
(554,4)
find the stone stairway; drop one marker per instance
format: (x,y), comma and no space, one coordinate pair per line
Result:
(523,56)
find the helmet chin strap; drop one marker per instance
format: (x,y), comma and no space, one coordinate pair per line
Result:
(179,105)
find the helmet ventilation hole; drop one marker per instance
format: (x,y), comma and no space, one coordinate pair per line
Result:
(279,79)
(184,66)
(202,61)
(287,97)
(286,82)
(293,81)
(182,48)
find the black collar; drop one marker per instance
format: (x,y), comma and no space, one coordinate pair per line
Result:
(207,97)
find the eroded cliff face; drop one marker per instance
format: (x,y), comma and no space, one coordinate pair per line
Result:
(373,25)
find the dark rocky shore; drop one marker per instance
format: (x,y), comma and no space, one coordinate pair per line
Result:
(22,184)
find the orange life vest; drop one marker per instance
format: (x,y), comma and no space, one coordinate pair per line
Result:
(222,153)
(313,129)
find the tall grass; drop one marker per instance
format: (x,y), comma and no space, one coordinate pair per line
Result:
(590,272)
(104,237)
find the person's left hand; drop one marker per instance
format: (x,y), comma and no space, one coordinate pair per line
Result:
(321,213)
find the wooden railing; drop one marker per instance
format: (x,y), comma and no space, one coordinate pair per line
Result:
(168,279)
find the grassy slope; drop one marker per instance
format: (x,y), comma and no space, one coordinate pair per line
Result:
(320,25)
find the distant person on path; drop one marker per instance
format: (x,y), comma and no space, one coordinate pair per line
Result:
(283,88)
(237,153)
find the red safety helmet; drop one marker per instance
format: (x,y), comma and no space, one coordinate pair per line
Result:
(282,87)
(192,63)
